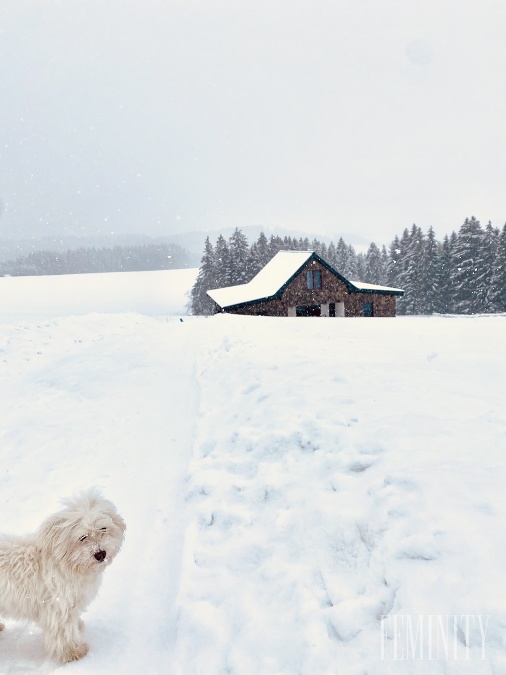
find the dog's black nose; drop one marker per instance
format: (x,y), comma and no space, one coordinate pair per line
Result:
(100,555)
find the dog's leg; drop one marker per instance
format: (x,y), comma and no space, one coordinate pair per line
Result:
(63,639)
(65,646)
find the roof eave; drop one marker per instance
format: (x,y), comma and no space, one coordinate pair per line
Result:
(378,291)
(248,303)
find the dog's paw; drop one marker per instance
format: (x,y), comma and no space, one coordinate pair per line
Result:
(77,652)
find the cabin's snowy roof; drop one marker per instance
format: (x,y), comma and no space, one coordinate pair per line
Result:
(266,283)
(362,286)
(269,281)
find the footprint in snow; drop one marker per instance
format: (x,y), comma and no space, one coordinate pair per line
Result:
(360,467)
(250,389)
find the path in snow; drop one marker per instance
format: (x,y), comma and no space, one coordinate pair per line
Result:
(344,471)
(109,401)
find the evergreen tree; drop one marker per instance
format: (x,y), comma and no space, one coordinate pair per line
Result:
(485,264)
(411,274)
(342,258)
(253,265)
(361,267)
(444,276)
(429,291)
(222,263)
(384,265)
(466,255)
(331,255)
(498,283)
(393,268)
(373,265)
(399,267)
(263,251)
(239,256)
(351,270)
(200,302)
(275,245)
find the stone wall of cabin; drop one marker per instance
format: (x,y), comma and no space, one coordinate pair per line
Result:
(332,290)
(382,305)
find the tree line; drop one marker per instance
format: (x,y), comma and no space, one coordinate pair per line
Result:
(465,273)
(83,260)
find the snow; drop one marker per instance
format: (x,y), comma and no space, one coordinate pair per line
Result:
(361,285)
(282,267)
(155,293)
(285,482)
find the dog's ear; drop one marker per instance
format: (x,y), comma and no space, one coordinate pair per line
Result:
(118,522)
(53,535)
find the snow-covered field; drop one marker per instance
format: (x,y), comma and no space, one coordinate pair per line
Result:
(286,483)
(153,293)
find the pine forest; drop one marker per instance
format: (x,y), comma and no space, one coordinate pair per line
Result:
(465,273)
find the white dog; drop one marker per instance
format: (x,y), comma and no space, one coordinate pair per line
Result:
(50,577)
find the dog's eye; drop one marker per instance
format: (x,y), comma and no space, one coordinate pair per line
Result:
(103,529)
(85,536)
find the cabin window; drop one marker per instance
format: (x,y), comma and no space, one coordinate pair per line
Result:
(314,279)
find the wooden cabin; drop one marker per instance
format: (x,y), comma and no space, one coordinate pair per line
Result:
(301,283)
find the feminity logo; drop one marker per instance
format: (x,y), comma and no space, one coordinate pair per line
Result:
(433,637)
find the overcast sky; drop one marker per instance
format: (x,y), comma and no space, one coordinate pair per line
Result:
(159,116)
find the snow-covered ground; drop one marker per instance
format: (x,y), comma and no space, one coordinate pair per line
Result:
(286,483)
(161,292)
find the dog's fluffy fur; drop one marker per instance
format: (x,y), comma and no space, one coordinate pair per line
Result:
(50,577)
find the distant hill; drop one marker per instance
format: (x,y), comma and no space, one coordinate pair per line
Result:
(12,249)
(192,242)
